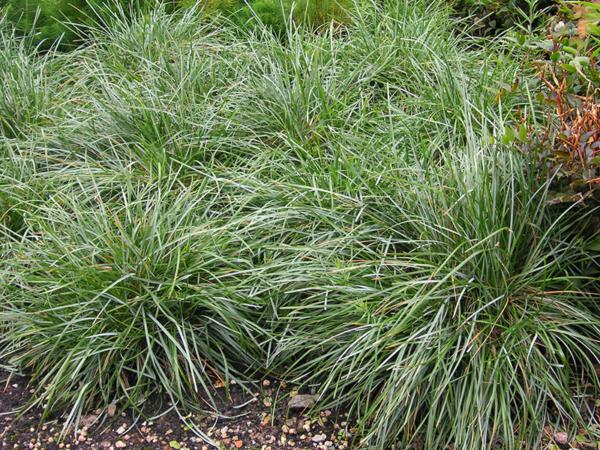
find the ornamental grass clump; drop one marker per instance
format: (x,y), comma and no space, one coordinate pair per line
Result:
(462,318)
(31,85)
(109,299)
(458,308)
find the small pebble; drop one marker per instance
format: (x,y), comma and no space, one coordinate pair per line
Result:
(319,437)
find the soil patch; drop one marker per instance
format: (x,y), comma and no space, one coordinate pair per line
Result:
(259,420)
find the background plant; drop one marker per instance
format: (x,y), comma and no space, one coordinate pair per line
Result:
(493,17)
(66,21)
(566,86)
(63,21)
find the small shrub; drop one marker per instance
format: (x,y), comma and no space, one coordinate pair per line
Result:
(567,94)
(496,16)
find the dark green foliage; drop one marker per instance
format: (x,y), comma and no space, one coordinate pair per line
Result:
(64,21)
(50,21)
(495,16)
(277,13)
(10,220)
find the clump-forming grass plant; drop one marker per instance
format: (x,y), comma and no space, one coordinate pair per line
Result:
(133,295)
(183,202)
(460,319)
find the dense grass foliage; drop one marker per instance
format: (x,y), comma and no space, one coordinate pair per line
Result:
(460,307)
(63,22)
(66,22)
(133,295)
(185,202)
(277,13)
